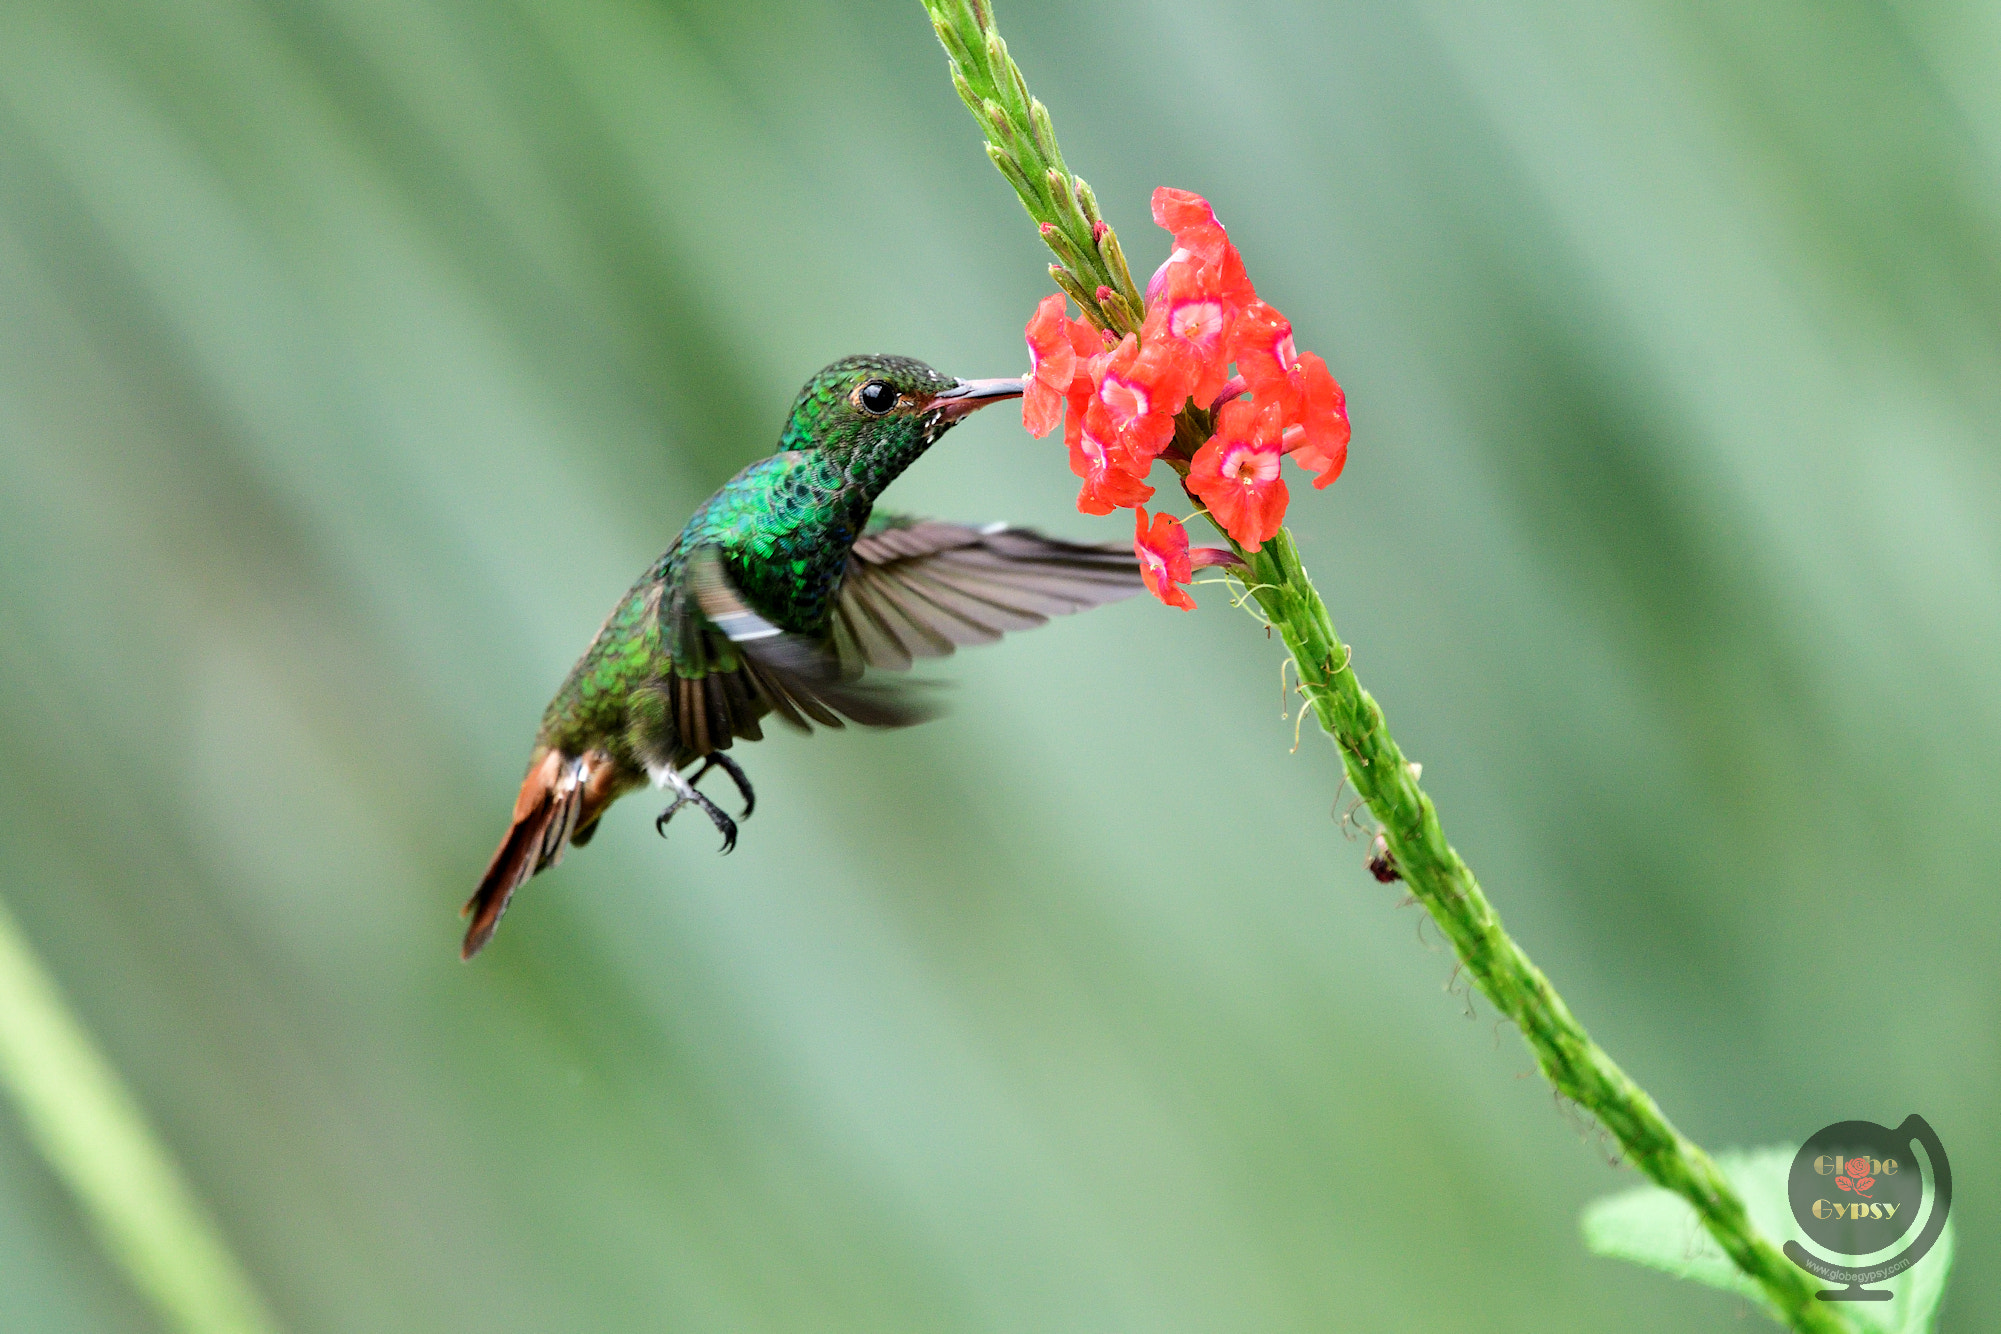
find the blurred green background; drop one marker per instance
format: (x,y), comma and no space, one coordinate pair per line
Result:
(355,355)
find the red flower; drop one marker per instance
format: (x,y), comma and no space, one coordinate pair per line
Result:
(1188,321)
(1059,350)
(1318,441)
(1200,241)
(1194,298)
(1163,557)
(1313,408)
(1120,403)
(1136,396)
(1261,345)
(1112,479)
(1192,220)
(1236,473)
(1052,363)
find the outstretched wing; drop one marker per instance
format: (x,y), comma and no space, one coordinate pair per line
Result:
(912,589)
(731,666)
(918,588)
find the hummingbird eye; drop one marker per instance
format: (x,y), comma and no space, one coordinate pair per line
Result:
(876,397)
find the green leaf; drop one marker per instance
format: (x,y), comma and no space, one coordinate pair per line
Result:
(1656,1228)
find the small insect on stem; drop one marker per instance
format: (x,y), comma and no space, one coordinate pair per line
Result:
(1382,862)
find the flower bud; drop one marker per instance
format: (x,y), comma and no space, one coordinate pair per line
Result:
(955,46)
(1008,83)
(1015,79)
(997,123)
(1065,201)
(1043,131)
(1115,259)
(1004,162)
(1118,313)
(1076,291)
(1086,200)
(965,91)
(1066,250)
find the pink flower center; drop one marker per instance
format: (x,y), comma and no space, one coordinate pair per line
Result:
(1249,465)
(1095,452)
(1154,561)
(1125,400)
(1196,321)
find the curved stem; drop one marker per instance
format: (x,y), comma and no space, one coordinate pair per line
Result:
(1022,143)
(1575,1066)
(87,1126)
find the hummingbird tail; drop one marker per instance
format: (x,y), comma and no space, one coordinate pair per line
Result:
(546,814)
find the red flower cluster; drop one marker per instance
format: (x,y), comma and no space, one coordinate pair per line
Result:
(1202,316)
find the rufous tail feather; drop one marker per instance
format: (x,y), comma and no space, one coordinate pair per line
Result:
(546,814)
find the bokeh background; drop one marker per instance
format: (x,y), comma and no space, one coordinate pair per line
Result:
(355,355)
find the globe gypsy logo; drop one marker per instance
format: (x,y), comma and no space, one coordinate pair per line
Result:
(1858,1179)
(1856,1188)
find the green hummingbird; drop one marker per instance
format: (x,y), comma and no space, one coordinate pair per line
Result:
(778,595)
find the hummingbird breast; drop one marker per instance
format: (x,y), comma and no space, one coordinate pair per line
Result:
(785,526)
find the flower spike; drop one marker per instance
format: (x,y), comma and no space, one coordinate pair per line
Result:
(1208,345)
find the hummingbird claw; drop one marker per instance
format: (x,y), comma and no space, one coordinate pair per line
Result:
(685,794)
(715,759)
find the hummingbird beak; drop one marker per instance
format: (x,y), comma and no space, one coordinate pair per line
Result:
(971,395)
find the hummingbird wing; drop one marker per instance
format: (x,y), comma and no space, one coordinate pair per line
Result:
(913,588)
(724,649)
(919,588)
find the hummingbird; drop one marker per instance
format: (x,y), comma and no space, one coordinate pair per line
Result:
(781,594)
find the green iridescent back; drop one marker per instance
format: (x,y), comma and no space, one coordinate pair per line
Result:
(785,526)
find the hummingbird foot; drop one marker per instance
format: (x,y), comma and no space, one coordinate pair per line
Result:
(685,794)
(715,759)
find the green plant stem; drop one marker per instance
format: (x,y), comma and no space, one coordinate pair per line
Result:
(1575,1066)
(87,1126)
(1021,140)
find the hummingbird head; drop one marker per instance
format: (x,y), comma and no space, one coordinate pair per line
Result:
(884,410)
